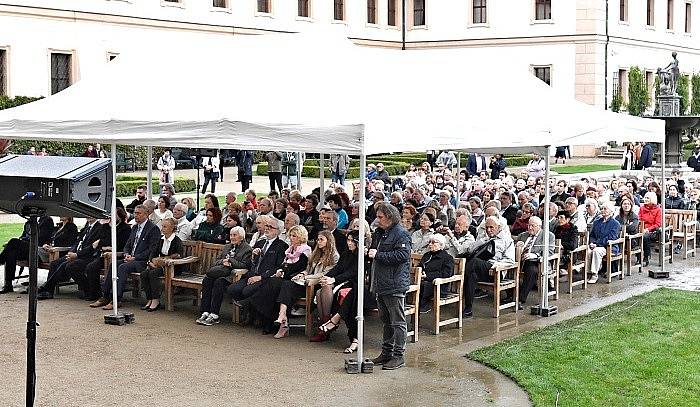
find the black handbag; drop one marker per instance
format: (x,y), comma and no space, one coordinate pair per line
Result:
(484,252)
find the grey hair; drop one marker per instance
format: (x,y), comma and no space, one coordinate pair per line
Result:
(239,231)
(389,211)
(439,239)
(536,220)
(592,202)
(293,216)
(181,206)
(494,220)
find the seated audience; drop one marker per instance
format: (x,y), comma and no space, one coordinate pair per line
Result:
(169,247)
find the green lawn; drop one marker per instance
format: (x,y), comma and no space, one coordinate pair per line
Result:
(576,169)
(8,231)
(644,351)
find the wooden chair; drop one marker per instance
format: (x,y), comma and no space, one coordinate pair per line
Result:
(684,229)
(554,261)
(307,303)
(579,263)
(505,277)
(666,238)
(634,246)
(413,303)
(610,257)
(454,295)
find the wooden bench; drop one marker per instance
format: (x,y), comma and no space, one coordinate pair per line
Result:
(684,229)
(54,254)
(200,257)
(505,277)
(454,294)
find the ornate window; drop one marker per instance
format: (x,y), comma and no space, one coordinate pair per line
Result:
(60,71)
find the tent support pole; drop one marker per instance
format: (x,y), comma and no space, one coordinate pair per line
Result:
(663,207)
(300,166)
(361,265)
(322,174)
(456,175)
(544,309)
(149,175)
(113,226)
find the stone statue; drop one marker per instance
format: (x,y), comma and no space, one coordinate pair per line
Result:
(668,77)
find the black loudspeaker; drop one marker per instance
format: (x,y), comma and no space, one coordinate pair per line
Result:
(62,186)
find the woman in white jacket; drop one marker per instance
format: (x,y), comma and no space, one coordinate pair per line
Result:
(211,172)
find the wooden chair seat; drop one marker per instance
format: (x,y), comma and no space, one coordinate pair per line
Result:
(454,294)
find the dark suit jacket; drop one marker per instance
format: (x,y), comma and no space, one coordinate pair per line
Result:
(65,236)
(149,238)
(471,164)
(88,237)
(341,241)
(241,258)
(45,230)
(267,264)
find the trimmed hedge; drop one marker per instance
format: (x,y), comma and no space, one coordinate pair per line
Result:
(313,171)
(126,186)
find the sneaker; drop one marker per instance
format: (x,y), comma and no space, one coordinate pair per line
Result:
(298,312)
(381,359)
(425,308)
(211,320)
(563,272)
(467,313)
(394,363)
(593,280)
(202,318)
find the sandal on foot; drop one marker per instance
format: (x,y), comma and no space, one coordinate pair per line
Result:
(328,327)
(352,348)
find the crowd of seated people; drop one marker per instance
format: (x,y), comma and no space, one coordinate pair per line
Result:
(287,240)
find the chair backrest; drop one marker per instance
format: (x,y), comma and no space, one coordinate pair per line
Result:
(415,259)
(414,288)
(190,248)
(679,217)
(208,252)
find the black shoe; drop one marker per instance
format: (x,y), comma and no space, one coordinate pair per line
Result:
(646,262)
(467,313)
(424,309)
(394,363)
(506,300)
(7,289)
(44,295)
(520,306)
(81,294)
(381,359)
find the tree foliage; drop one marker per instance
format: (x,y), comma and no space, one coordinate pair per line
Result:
(684,92)
(638,92)
(695,99)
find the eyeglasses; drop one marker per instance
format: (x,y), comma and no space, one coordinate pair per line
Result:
(272,227)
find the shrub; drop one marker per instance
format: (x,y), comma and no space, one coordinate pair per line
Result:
(638,93)
(695,99)
(684,92)
(127,187)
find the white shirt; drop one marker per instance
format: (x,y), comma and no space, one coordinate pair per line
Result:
(166,244)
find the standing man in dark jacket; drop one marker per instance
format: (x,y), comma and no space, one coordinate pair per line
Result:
(645,159)
(244,162)
(497,165)
(391,273)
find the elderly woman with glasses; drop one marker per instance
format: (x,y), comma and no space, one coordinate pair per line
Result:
(436,263)
(520,224)
(421,237)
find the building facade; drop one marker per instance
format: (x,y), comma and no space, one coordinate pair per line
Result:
(582,48)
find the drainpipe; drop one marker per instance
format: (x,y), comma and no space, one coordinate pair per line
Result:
(403,25)
(607,41)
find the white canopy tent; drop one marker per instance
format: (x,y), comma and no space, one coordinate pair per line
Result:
(315,94)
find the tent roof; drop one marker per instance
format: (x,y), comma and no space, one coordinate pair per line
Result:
(316,94)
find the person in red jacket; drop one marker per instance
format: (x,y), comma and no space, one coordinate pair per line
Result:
(650,214)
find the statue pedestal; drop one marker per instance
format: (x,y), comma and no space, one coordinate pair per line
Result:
(669,105)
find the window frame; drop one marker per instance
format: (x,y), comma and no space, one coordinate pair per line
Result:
(423,13)
(71,68)
(688,23)
(172,3)
(225,7)
(651,14)
(308,15)
(483,5)
(395,13)
(546,4)
(339,11)
(548,68)
(670,8)
(268,8)
(623,84)
(373,12)
(4,71)
(624,11)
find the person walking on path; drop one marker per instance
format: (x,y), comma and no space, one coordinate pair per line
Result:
(211,173)
(274,170)
(244,162)
(166,166)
